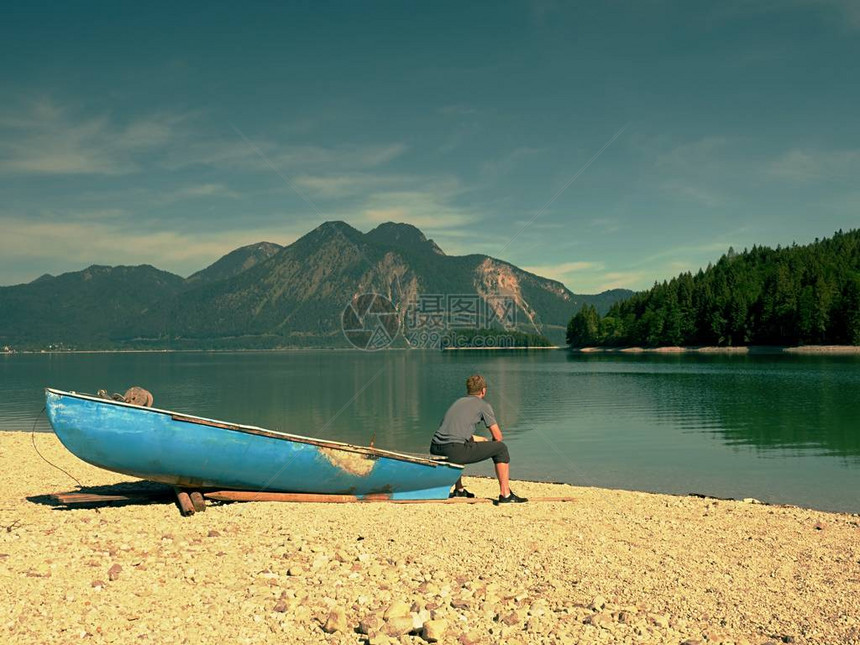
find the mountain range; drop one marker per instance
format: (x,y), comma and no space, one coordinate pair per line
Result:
(265,295)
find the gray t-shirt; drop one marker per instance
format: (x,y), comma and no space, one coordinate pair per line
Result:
(460,420)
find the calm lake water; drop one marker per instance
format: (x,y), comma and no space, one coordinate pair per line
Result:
(777,428)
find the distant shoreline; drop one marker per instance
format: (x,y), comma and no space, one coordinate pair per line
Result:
(460,349)
(181,351)
(748,349)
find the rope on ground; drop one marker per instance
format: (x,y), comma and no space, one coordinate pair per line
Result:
(33,441)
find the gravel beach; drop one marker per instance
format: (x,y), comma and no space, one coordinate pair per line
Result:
(610,567)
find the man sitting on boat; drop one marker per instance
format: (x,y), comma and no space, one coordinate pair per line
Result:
(456,439)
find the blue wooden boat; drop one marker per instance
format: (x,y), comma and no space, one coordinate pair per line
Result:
(195,452)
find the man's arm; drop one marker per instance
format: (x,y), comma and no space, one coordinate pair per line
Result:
(496,431)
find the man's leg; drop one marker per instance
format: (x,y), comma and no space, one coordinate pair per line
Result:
(473,452)
(498,451)
(503,474)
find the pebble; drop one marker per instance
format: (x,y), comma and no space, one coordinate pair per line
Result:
(434,630)
(379,639)
(598,603)
(398,625)
(660,620)
(418,619)
(600,619)
(473,637)
(397,609)
(370,624)
(336,622)
(510,619)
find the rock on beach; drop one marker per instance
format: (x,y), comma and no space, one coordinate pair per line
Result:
(613,566)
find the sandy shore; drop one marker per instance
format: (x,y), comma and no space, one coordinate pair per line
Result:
(611,567)
(806,349)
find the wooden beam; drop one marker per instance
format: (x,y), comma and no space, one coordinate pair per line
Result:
(191,502)
(133,495)
(266,496)
(197,501)
(186,507)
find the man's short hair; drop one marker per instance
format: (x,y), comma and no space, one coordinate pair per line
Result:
(475,383)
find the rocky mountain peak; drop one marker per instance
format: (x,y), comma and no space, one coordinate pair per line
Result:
(236,262)
(403,236)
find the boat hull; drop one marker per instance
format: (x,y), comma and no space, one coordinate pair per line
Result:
(193,452)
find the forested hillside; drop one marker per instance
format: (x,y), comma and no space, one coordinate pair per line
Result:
(785,296)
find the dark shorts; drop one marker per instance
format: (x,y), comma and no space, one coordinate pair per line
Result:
(472,451)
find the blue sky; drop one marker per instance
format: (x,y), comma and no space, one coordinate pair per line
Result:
(602,144)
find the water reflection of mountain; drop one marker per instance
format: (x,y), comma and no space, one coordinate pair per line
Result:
(394,398)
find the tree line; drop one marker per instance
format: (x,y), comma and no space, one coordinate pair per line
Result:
(492,338)
(797,295)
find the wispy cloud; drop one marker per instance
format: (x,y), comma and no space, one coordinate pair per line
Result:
(424,209)
(706,250)
(597,276)
(692,192)
(590,277)
(110,240)
(507,163)
(232,153)
(564,271)
(459,109)
(693,154)
(847,10)
(345,185)
(620,280)
(700,171)
(43,137)
(205,190)
(46,139)
(846,13)
(605,225)
(812,165)
(542,10)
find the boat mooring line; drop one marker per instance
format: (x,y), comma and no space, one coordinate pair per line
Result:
(33,441)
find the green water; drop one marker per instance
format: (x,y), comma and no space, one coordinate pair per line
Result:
(777,428)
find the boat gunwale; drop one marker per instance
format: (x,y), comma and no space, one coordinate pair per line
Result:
(264,432)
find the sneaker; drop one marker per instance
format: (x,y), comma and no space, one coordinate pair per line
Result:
(513,498)
(461,493)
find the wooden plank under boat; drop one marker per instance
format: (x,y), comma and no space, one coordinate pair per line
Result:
(198,453)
